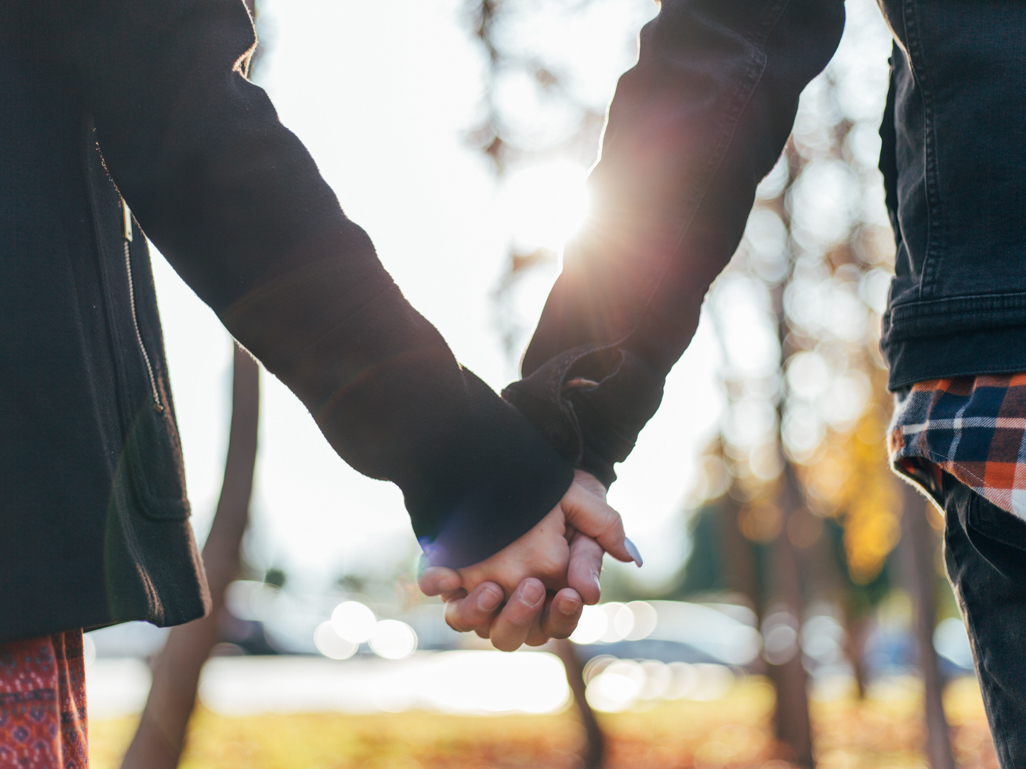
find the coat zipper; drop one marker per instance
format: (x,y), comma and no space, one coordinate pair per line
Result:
(131,300)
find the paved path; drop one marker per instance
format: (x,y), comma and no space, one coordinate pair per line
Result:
(460,682)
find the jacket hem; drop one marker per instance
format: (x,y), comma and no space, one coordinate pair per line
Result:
(954,315)
(985,351)
(87,621)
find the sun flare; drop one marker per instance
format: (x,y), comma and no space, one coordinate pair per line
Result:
(546,204)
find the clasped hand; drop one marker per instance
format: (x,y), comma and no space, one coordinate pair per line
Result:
(536,588)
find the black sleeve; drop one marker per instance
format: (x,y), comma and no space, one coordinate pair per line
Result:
(692,129)
(236,204)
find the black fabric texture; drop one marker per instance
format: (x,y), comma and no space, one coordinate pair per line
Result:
(147,101)
(692,129)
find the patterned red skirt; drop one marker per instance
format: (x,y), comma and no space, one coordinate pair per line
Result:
(43,703)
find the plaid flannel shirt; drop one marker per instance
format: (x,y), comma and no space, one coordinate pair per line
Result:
(972,427)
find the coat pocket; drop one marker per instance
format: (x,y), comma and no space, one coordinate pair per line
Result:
(994,523)
(153,462)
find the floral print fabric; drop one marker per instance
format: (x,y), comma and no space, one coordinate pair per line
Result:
(43,703)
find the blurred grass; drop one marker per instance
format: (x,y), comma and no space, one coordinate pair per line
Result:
(884,731)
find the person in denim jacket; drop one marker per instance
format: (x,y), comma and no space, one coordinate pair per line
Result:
(692,129)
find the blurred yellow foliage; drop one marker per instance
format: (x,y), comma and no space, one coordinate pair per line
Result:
(851,480)
(761,521)
(884,730)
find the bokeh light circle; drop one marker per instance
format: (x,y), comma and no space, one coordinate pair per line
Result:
(331,644)
(353,621)
(393,640)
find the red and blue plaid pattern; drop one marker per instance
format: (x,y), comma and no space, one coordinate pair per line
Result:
(971,427)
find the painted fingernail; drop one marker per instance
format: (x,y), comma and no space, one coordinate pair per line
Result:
(632,551)
(532,593)
(489,600)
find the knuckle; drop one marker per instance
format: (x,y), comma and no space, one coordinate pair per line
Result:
(513,582)
(520,621)
(612,527)
(550,565)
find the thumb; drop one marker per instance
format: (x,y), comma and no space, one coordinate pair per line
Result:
(590,515)
(585,566)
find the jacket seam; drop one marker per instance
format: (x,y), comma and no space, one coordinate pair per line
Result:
(939,373)
(967,305)
(934,219)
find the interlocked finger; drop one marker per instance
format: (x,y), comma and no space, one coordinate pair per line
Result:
(589,514)
(438,580)
(474,610)
(514,623)
(584,567)
(561,614)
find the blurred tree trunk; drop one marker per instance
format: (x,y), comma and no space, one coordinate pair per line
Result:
(780,589)
(161,734)
(593,754)
(792,728)
(920,543)
(856,628)
(790,678)
(739,554)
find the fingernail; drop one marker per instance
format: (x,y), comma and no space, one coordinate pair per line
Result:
(489,600)
(532,593)
(568,607)
(632,551)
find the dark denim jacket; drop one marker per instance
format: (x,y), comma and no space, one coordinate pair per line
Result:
(954,163)
(695,126)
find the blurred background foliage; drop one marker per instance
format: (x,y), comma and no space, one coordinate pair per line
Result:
(796,510)
(797,312)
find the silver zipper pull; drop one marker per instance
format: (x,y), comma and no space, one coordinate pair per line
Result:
(128,219)
(157,405)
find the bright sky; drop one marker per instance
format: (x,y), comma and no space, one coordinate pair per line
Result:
(382,94)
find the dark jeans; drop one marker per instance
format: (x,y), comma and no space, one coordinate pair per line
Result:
(985,555)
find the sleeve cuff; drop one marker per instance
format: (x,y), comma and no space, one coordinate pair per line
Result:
(486,486)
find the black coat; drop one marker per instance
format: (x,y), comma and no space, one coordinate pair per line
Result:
(101,99)
(695,126)
(692,129)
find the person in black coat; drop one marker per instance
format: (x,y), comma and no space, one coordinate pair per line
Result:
(122,120)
